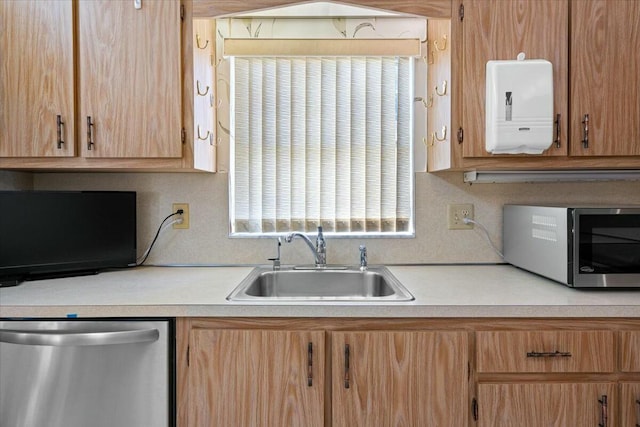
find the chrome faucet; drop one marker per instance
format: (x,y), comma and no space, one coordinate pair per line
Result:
(319,250)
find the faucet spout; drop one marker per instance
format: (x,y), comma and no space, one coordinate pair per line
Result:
(319,250)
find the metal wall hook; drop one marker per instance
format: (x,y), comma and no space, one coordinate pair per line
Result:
(430,58)
(434,136)
(198,42)
(444,43)
(200,137)
(444,89)
(198,89)
(428,103)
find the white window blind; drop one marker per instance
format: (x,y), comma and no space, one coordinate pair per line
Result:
(321,141)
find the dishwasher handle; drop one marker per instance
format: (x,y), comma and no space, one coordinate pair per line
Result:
(60,338)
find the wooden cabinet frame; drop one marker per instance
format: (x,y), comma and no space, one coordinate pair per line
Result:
(184,157)
(453,155)
(621,379)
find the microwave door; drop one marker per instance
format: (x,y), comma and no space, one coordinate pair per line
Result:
(607,251)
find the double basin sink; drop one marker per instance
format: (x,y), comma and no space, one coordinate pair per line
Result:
(311,284)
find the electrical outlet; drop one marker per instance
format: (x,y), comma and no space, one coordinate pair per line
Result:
(184,216)
(455,215)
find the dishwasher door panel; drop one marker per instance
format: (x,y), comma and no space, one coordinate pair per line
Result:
(85,373)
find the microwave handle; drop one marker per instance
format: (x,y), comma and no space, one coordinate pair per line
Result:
(59,339)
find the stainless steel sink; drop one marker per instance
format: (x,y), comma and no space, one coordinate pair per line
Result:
(376,284)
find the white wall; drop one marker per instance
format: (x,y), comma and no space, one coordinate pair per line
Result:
(207,241)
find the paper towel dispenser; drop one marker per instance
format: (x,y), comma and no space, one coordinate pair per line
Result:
(519,106)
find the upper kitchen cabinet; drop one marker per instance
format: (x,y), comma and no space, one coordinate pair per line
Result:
(592,46)
(98,85)
(605,65)
(129,67)
(37,92)
(499,31)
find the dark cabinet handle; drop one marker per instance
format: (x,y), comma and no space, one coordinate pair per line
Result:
(59,123)
(347,378)
(603,411)
(89,133)
(549,354)
(310,365)
(638,423)
(557,140)
(585,131)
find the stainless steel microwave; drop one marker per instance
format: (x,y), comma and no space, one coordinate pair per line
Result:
(581,247)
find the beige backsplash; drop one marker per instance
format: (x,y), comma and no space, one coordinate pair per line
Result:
(207,241)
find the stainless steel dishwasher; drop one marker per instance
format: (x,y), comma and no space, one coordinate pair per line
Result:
(79,373)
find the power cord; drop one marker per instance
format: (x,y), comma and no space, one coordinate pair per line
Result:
(486,234)
(160,230)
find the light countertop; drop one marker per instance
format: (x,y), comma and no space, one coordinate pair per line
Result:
(439,290)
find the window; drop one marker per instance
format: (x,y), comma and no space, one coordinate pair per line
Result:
(323,138)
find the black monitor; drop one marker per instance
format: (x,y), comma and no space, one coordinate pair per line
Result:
(64,233)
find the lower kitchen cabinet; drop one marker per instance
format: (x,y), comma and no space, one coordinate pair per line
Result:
(630,404)
(550,374)
(630,391)
(399,378)
(276,373)
(264,372)
(546,404)
(256,378)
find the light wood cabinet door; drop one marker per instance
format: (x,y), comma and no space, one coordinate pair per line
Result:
(130,80)
(605,64)
(499,30)
(630,351)
(629,404)
(399,378)
(256,378)
(36,78)
(544,404)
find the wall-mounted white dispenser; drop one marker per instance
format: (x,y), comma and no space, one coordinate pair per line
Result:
(519,106)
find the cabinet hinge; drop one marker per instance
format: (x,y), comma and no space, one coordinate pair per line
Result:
(461,12)
(474,409)
(183,135)
(460,135)
(182,12)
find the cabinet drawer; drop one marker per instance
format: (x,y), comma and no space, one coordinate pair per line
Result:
(545,351)
(630,351)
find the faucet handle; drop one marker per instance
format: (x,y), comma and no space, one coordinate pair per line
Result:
(276,261)
(363,257)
